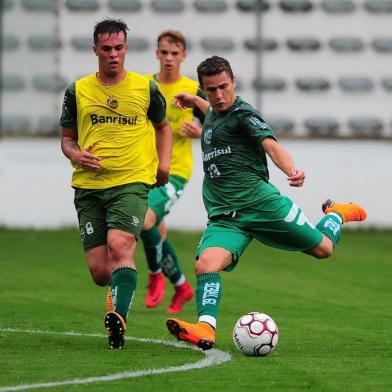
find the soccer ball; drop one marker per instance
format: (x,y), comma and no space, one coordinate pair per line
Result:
(255,334)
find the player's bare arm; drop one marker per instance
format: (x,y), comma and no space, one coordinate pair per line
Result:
(71,149)
(186,100)
(190,129)
(163,134)
(283,160)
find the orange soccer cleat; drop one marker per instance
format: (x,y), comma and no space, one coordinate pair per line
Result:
(348,211)
(200,334)
(183,294)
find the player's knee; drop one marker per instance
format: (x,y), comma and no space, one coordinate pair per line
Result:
(119,248)
(324,249)
(101,276)
(213,259)
(322,252)
(116,249)
(148,225)
(149,220)
(202,266)
(163,231)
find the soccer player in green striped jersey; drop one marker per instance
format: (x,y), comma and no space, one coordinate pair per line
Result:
(240,201)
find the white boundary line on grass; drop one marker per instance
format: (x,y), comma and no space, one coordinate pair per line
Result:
(213,357)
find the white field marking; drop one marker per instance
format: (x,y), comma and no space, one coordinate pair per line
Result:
(213,357)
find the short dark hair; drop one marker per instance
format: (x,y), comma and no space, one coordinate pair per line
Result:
(212,66)
(173,36)
(110,26)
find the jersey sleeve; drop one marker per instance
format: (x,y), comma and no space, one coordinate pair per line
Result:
(255,127)
(196,111)
(68,117)
(157,109)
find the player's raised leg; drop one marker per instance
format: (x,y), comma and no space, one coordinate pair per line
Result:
(336,214)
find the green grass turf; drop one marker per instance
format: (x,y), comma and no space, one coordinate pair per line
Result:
(334,317)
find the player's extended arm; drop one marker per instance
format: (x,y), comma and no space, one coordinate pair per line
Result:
(186,100)
(71,149)
(283,160)
(163,134)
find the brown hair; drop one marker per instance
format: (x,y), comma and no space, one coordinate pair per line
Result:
(173,36)
(110,26)
(212,66)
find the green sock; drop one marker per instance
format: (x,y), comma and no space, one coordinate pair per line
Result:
(123,289)
(331,225)
(152,243)
(170,265)
(208,295)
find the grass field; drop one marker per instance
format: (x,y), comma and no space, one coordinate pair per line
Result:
(334,317)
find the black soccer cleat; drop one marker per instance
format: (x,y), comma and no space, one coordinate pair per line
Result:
(116,327)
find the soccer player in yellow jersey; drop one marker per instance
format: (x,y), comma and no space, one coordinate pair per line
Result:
(117,137)
(161,257)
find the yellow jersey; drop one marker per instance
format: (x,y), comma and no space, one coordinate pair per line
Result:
(181,163)
(116,121)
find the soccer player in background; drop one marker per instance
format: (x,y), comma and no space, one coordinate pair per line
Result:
(240,201)
(161,256)
(117,137)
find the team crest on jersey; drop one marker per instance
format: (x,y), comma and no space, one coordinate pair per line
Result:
(207,136)
(112,102)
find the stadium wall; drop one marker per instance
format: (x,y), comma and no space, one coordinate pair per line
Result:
(318,67)
(35,178)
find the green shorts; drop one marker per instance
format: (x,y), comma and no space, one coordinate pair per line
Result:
(121,207)
(161,199)
(277,222)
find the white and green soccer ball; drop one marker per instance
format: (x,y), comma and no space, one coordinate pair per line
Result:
(255,334)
